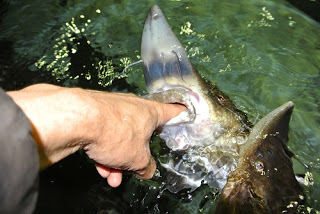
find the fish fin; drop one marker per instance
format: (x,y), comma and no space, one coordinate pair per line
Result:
(276,123)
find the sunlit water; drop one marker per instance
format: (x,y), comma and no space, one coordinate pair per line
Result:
(260,53)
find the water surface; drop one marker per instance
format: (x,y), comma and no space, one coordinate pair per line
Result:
(260,53)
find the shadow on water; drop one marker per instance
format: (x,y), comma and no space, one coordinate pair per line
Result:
(88,43)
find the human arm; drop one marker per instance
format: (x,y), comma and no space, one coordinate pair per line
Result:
(113,128)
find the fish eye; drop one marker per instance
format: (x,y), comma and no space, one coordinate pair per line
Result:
(259,166)
(221,99)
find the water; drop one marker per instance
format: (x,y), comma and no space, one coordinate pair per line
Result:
(260,53)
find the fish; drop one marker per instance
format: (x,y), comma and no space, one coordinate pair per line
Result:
(213,142)
(264,181)
(208,134)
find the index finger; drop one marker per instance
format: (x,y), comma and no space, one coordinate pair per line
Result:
(168,111)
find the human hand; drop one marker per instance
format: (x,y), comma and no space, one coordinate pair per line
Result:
(114,129)
(129,124)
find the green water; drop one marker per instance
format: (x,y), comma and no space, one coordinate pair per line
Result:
(260,53)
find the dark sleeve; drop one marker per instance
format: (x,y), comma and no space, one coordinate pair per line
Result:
(18,160)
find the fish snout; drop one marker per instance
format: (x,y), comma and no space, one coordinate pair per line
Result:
(165,61)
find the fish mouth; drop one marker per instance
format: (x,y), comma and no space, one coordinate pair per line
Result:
(165,61)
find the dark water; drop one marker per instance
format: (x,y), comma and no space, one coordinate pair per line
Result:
(260,53)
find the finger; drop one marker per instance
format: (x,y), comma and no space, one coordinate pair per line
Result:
(169,111)
(102,170)
(147,172)
(115,178)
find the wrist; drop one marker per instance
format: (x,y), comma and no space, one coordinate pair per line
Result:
(60,118)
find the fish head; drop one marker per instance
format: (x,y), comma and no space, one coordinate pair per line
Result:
(171,78)
(264,181)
